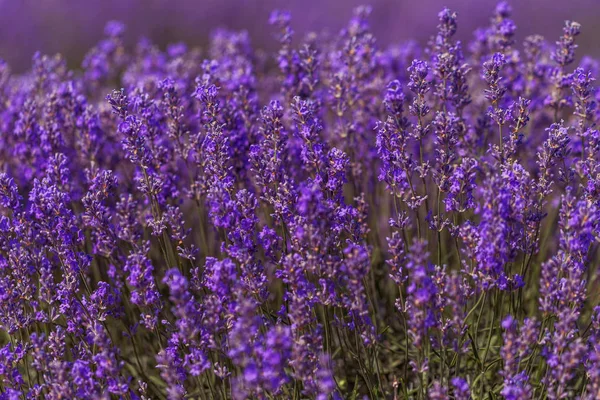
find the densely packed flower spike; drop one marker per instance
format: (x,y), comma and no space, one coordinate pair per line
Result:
(336,220)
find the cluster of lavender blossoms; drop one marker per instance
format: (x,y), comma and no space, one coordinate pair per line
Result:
(338,220)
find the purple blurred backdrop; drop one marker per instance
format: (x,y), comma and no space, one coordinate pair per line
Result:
(72,26)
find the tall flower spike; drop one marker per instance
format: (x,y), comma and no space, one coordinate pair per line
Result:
(9,194)
(565,46)
(517,346)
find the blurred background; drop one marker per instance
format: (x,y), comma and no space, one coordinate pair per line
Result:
(71,27)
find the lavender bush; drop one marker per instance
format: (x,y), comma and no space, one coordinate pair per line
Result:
(337,220)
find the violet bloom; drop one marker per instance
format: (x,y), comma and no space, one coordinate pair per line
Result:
(344,217)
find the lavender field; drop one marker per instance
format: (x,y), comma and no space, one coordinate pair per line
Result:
(299,210)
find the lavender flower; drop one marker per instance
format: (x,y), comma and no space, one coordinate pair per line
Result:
(341,219)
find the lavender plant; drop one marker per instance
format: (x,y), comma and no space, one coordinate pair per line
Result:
(336,220)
